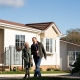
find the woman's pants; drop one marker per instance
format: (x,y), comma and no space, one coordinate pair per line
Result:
(27,73)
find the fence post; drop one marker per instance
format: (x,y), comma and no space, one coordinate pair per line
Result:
(11,52)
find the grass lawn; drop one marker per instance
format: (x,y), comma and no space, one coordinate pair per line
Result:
(43,72)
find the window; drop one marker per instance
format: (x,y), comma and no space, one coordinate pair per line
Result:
(73,55)
(49,44)
(19,41)
(77,54)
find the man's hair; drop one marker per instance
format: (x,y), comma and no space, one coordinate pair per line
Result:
(34,38)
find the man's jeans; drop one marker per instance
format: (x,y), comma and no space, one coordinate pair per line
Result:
(37,65)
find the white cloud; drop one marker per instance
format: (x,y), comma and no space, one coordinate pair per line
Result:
(11,3)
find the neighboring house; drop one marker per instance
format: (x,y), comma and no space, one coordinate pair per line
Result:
(15,34)
(68,54)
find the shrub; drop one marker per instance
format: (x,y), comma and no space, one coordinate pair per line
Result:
(41,69)
(50,69)
(30,68)
(23,70)
(57,70)
(14,69)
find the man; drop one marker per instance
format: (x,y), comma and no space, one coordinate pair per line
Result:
(37,50)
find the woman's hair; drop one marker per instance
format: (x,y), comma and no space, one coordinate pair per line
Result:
(26,45)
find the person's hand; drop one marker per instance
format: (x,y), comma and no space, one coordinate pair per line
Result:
(31,60)
(37,51)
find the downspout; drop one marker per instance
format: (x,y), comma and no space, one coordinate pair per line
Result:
(38,34)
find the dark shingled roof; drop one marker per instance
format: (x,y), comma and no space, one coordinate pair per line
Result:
(39,26)
(13,23)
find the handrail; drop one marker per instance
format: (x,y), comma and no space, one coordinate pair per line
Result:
(3,59)
(3,53)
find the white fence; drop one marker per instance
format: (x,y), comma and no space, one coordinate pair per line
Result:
(12,56)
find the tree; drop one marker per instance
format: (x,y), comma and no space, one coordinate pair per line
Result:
(73,35)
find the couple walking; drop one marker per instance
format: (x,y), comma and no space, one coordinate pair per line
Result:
(37,50)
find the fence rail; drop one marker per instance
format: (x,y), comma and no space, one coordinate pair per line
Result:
(11,57)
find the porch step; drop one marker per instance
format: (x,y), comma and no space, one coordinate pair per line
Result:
(4,68)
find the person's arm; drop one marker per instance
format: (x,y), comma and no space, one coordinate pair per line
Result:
(43,50)
(23,55)
(32,50)
(30,53)
(30,56)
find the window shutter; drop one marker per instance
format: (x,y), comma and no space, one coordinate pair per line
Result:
(43,40)
(54,45)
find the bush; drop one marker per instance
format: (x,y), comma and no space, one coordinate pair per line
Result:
(30,68)
(50,69)
(14,69)
(57,70)
(41,69)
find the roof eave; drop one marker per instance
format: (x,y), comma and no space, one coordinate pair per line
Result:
(69,43)
(5,25)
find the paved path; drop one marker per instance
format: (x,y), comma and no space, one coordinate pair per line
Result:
(20,76)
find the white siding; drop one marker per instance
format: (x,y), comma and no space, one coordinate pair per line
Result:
(9,37)
(58,51)
(53,59)
(63,55)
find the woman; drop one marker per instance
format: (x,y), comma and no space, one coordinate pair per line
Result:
(27,59)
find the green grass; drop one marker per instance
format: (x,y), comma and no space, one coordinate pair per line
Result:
(43,72)
(12,72)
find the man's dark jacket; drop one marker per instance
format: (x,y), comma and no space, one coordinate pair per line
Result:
(40,49)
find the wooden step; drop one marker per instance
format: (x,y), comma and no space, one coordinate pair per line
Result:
(4,68)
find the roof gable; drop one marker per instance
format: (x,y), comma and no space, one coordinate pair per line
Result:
(42,26)
(39,26)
